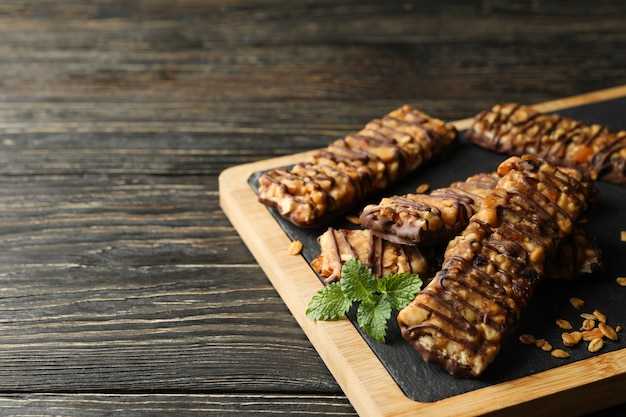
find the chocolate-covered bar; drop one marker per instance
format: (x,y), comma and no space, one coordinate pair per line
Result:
(489,273)
(576,256)
(425,219)
(338,177)
(383,257)
(429,219)
(516,129)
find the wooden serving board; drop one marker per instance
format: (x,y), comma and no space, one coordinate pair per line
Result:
(392,379)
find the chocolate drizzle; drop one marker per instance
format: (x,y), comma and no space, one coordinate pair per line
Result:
(338,177)
(490,271)
(516,129)
(418,219)
(383,257)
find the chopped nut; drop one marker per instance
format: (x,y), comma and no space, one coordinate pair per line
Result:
(595,345)
(601,316)
(588,324)
(527,339)
(576,302)
(589,335)
(607,331)
(353,219)
(295,247)
(564,324)
(571,339)
(621,281)
(422,188)
(560,354)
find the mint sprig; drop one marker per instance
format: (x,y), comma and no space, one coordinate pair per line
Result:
(377,298)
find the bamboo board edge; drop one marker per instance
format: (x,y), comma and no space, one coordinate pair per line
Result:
(358,371)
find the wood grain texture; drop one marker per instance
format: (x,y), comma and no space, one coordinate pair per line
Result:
(122,284)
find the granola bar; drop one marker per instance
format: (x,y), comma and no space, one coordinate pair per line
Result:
(576,256)
(425,219)
(338,177)
(516,129)
(461,318)
(383,257)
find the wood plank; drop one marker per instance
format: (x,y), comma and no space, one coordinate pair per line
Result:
(138,283)
(358,370)
(71,328)
(183,405)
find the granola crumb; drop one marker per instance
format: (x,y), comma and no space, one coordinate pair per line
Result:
(564,324)
(295,247)
(588,324)
(618,328)
(623,236)
(422,188)
(595,345)
(607,331)
(621,281)
(588,316)
(601,316)
(560,354)
(527,339)
(543,344)
(576,302)
(589,335)
(572,338)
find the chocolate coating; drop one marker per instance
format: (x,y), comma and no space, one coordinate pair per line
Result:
(490,271)
(516,129)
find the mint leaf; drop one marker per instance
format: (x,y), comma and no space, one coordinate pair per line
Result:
(378,298)
(373,314)
(329,303)
(357,280)
(401,289)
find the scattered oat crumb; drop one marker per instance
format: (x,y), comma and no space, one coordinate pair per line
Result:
(621,281)
(527,339)
(560,354)
(618,328)
(571,339)
(543,344)
(589,335)
(588,324)
(576,302)
(422,188)
(607,331)
(564,324)
(295,247)
(595,345)
(601,316)
(623,237)
(588,316)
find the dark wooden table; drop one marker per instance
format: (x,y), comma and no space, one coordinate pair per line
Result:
(123,287)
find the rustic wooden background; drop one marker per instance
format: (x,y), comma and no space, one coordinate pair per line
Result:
(123,287)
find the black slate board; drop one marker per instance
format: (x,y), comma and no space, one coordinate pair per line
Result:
(427,383)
